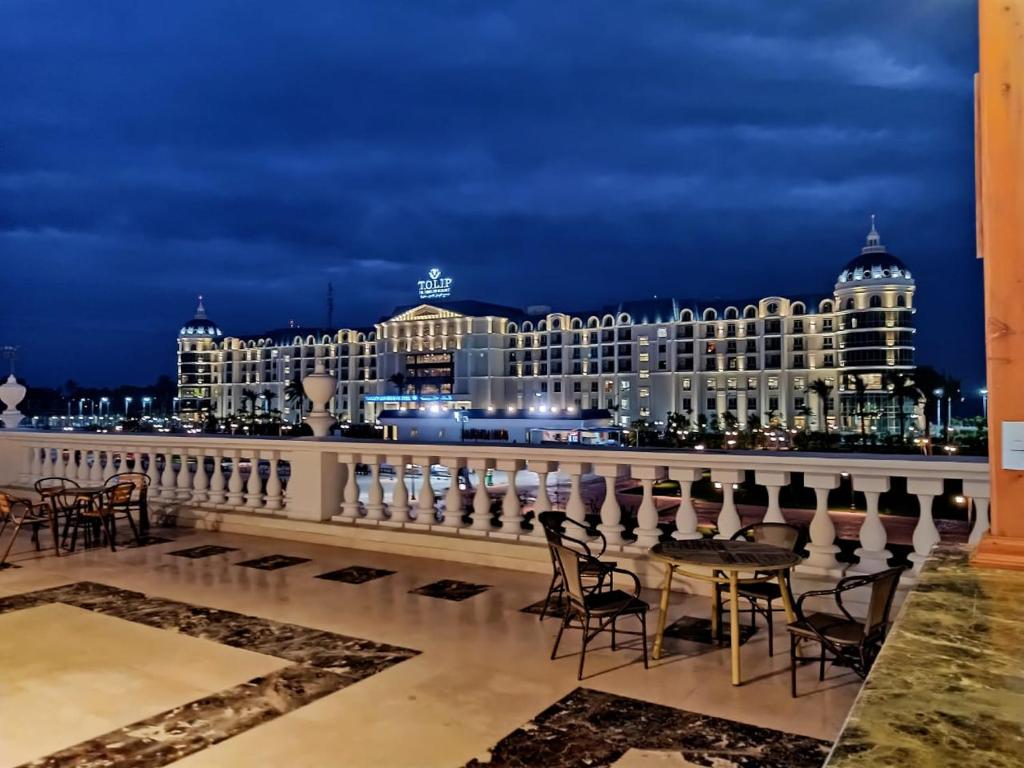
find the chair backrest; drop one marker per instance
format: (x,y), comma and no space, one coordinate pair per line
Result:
(777,534)
(120,494)
(883,592)
(7,504)
(139,480)
(55,484)
(551,522)
(569,565)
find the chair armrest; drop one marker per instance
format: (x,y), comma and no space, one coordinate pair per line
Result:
(633,576)
(590,532)
(798,607)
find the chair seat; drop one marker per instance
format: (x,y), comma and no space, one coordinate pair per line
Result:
(614,601)
(593,567)
(764,590)
(837,629)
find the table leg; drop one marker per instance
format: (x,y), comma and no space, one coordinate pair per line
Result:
(665,589)
(787,602)
(734,625)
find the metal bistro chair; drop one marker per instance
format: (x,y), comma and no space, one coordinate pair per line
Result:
(139,502)
(851,642)
(591,566)
(762,595)
(113,503)
(604,607)
(34,514)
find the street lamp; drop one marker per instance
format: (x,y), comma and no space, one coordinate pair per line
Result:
(938,392)
(984,401)
(104,401)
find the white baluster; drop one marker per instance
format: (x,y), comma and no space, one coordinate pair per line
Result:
(184,479)
(200,482)
(686,515)
(235,495)
(543,502)
(728,517)
(647,531)
(426,513)
(96,470)
(350,503)
(821,551)
(773,482)
(453,498)
(926,535)
(574,507)
(64,463)
(217,481)
(83,465)
(375,493)
(274,498)
(611,511)
(872,554)
(511,510)
(978,491)
(254,488)
(46,468)
(399,507)
(167,478)
(481,516)
(152,472)
(35,465)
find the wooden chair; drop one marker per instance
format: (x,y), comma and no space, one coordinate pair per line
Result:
(140,499)
(36,515)
(605,607)
(113,503)
(850,642)
(591,566)
(762,595)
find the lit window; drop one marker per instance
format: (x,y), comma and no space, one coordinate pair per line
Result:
(645,357)
(773,382)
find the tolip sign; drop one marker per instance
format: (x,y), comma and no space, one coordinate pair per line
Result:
(435,286)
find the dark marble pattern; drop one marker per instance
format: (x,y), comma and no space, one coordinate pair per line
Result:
(204,550)
(450,589)
(698,630)
(5,566)
(323,662)
(556,608)
(593,729)
(948,687)
(273,562)
(145,540)
(355,574)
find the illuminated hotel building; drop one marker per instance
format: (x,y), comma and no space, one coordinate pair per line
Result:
(639,359)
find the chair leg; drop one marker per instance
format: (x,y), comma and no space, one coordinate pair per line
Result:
(643,636)
(771,629)
(613,632)
(74,532)
(792,665)
(821,664)
(111,531)
(558,637)
(10,544)
(547,600)
(583,650)
(131,524)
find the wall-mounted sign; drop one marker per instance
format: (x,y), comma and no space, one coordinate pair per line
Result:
(435,286)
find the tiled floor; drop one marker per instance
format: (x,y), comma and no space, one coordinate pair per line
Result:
(162,657)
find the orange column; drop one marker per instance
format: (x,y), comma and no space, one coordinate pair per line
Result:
(1000,190)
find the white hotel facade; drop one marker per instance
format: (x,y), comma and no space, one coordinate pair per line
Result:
(640,359)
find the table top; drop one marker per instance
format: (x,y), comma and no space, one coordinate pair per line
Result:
(725,555)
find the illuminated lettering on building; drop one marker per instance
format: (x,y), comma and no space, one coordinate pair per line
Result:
(435,286)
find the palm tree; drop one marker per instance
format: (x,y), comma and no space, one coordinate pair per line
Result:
(860,398)
(823,390)
(901,389)
(250,396)
(928,382)
(399,380)
(294,394)
(951,387)
(805,411)
(268,396)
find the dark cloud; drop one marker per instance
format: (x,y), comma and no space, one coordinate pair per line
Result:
(564,153)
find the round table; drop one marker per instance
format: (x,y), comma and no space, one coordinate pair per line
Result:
(724,561)
(65,501)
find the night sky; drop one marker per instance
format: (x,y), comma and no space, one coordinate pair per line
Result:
(568,153)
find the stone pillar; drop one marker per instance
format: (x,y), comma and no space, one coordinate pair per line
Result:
(872,554)
(35,466)
(184,480)
(96,470)
(543,502)
(350,505)
(153,473)
(978,491)
(647,531)
(199,479)
(611,511)
(426,512)
(46,465)
(375,493)
(481,498)
(728,518)
(773,481)
(314,486)
(275,499)
(686,515)
(821,552)
(167,478)
(926,535)
(82,475)
(453,498)
(216,494)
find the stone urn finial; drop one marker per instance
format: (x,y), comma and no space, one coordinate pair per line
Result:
(12,393)
(319,387)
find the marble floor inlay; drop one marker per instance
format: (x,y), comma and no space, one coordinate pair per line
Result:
(450,589)
(556,608)
(145,540)
(355,574)
(204,550)
(273,562)
(595,729)
(322,663)
(695,629)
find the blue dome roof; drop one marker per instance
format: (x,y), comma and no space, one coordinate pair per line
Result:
(200,325)
(874,262)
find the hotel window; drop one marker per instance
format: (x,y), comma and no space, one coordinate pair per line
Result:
(644,373)
(799,383)
(731,405)
(751,382)
(625,403)
(577,387)
(645,392)
(751,363)
(663,333)
(593,386)
(751,329)
(830,361)
(687,384)
(687,404)
(773,382)
(773,403)
(711,385)
(709,348)
(558,386)
(643,341)
(623,385)
(711,403)
(730,347)
(730,329)
(733,364)
(798,326)
(645,357)
(730,383)
(798,361)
